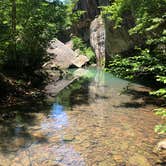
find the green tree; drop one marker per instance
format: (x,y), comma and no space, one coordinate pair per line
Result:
(26,28)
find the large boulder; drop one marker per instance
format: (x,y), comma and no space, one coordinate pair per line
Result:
(62,57)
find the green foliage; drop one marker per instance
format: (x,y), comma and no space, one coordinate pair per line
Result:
(144,63)
(148,14)
(36,23)
(73,16)
(162,127)
(149,17)
(161,111)
(79,44)
(161,92)
(149,61)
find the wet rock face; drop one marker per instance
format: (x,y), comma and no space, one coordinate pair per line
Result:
(97,40)
(103,37)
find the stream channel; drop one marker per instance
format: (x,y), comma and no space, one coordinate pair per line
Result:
(98,120)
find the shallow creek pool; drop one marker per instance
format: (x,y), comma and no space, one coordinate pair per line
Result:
(98,120)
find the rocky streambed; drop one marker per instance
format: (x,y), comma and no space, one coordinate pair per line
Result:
(97,120)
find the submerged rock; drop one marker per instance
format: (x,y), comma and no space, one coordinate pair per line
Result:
(53,89)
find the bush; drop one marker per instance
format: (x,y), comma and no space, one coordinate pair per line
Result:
(79,44)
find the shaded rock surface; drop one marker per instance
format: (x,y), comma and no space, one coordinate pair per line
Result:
(62,57)
(117,40)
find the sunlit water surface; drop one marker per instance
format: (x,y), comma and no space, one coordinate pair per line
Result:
(99,120)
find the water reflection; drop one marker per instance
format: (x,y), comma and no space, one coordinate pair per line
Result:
(57,118)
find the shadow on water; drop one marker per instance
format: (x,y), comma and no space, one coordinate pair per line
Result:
(14,124)
(143,94)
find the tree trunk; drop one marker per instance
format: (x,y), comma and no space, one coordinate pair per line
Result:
(13,17)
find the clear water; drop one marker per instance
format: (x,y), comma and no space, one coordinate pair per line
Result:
(98,120)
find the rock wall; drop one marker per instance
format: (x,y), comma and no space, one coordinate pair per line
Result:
(103,37)
(117,40)
(91,27)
